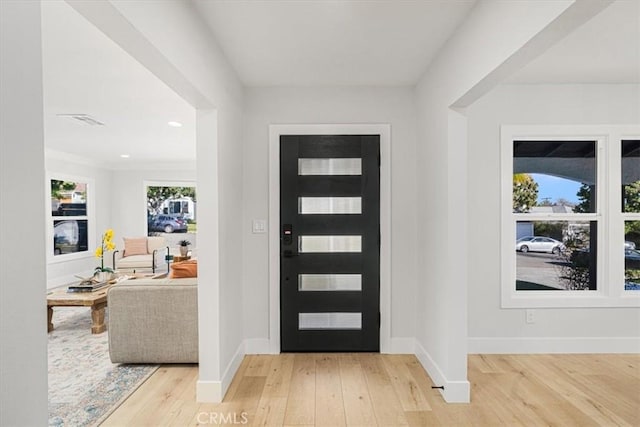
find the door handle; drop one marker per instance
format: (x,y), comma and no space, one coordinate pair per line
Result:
(287,234)
(288,253)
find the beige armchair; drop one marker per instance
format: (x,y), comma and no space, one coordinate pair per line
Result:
(141,253)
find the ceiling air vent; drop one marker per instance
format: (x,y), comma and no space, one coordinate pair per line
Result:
(85,118)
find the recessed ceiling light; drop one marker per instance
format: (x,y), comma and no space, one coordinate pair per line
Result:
(124,156)
(175,124)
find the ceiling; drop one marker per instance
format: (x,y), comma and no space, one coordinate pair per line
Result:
(332,43)
(85,72)
(606,49)
(284,43)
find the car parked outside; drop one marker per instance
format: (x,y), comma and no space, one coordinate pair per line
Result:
(632,259)
(167,223)
(580,257)
(65,237)
(629,245)
(539,244)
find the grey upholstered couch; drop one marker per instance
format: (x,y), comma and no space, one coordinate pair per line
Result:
(153,321)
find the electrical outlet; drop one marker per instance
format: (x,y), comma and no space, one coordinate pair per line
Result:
(530,314)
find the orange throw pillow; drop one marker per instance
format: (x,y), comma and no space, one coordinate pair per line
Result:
(180,270)
(135,246)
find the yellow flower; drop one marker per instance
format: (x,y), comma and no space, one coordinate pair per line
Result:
(105,245)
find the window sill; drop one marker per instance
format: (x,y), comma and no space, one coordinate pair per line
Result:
(570,299)
(56,259)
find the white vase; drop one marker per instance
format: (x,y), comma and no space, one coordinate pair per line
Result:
(184,250)
(103,276)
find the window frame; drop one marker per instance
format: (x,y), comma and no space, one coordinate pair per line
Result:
(159,183)
(610,219)
(90,217)
(619,265)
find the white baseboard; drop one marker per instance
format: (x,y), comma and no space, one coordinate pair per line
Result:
(537,345)
(214,391)
(403,345)
(454,391)
(232,368)
(257,346)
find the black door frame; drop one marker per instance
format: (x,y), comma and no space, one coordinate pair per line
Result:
(272,344)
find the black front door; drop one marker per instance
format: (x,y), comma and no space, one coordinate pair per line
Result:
(330,242)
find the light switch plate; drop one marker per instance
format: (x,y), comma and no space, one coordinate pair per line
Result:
(259,226)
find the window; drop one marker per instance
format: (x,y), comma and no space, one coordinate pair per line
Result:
(69,222)
(554,188)
(171,208)
(562,241)
(630,153)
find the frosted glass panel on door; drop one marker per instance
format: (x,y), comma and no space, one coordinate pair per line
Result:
(321,244)
(330,205)
(329,166)
(329,321)
(330,282)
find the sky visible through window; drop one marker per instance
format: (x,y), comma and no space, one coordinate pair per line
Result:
(552,188)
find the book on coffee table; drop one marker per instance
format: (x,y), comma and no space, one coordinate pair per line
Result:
(87,286)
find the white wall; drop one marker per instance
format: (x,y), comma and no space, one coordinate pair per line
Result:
(230,197)
(496,38)
(266,106)
(129,194)
(120,203)
(170,27)
(492,329)
(23,318)
(173,42)
(62,272)
(329,106)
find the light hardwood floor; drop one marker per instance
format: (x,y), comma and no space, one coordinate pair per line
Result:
(393,390)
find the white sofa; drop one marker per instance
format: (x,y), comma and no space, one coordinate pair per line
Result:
(155,256)
(153,321)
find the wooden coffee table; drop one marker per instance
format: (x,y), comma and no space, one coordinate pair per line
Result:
(97,300)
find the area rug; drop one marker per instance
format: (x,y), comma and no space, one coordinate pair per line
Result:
(84,386)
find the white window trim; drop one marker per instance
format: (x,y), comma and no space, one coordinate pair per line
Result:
(610,277)
(170,183)
(90,217)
